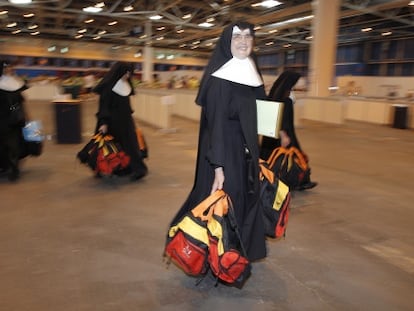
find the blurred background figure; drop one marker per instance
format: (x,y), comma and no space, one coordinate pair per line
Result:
(12,120)
(281,91)
(115,114)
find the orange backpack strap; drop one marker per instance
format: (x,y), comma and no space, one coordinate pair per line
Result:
(300,159)
(204,206)
(275,154)
(265,171)
(141,140)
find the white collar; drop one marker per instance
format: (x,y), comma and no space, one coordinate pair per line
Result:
(10,83)
(242,71)
(122,88)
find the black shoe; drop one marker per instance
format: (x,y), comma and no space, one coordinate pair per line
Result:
(14,175)
(307,185)
(138,175)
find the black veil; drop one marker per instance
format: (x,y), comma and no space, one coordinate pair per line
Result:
(221,55)
(113,75)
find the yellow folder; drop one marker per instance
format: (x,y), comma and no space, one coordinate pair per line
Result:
(269,117)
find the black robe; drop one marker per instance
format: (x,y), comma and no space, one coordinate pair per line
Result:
(228,126)
(12,146)
(280,92)
(115,111)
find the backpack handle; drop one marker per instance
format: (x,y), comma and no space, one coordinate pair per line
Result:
(207,204)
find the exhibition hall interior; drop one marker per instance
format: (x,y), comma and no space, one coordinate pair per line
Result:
(72,241)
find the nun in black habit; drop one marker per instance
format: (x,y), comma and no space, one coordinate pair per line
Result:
(281,91)
(115,114)
(11,137)
(228,148)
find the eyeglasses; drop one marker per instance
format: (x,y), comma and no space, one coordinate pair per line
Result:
(239,37)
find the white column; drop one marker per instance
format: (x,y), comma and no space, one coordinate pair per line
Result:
(323,47)
(148,57)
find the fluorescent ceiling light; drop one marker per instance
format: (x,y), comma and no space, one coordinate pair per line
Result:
(112,23)
(267,4)
(20,1)
(411,3)
(10,25)
(291,21)
(28,15)
(206,25)
(156,17)
(366,29)
(92,9)
(386,33)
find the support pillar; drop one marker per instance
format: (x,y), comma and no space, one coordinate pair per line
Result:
(323,47)
(148,57)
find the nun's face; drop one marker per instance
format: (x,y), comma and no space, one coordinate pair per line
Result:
(241,43)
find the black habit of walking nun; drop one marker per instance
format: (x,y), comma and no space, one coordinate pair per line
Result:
(11,137)
(228,151)
(115,114)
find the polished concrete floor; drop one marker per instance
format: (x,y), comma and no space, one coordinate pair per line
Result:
(69,241)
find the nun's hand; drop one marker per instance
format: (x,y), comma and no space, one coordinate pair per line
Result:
(284,139)
(103,129)
(218,180)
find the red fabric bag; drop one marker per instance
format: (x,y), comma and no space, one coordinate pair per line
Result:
(188,242)
(227,263)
